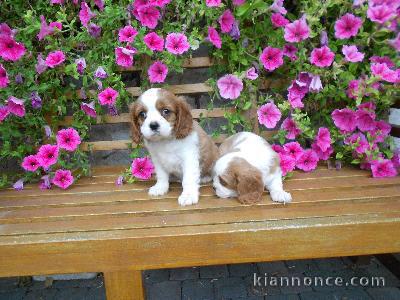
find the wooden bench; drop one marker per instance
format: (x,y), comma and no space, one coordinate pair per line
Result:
(96,226)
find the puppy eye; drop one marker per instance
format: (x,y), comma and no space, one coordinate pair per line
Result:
(142,114)
(166,112)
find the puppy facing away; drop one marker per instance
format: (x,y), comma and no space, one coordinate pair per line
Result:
(248,164)
(177,145)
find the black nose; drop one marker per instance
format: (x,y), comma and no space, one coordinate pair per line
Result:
(154,126)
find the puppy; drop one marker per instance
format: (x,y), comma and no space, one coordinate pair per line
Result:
(177,145)
(248,164)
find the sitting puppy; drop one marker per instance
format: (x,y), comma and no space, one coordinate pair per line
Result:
(177,145)
(248,164)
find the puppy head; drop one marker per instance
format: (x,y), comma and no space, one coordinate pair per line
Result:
(240,179)
(159,114)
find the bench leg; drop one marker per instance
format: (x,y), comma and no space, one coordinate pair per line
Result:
(124,285)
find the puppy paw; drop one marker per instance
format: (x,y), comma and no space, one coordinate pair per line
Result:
(205,179)
(281,196)
(158,190)
(188,199)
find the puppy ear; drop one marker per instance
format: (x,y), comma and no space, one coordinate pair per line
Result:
(135,128)
(250,186)
(184,119)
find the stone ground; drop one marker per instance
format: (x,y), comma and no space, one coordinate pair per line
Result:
(223,282)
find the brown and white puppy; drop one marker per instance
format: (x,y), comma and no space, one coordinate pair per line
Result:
(248,164)
(177,145)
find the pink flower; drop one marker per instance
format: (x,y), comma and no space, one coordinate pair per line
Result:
(159,3)
(395,43)
(148,16)
(291,127)
(277,6)
(287,163)
(382,60)
(322,57)
(213,3)
(45,184)
(294,150)
(19,185)
(353,88)
(3,113)
(359,141)
(63,178)
(10,50)
(383,72)
(352,54)
(6,30)
(381,131)
(252,73)
(124,56)
(296,93)
(214,37)
(365,120)
(297,31)
(157,72)
(380,13)
(230,86)
(290,51)
(272,58)
(47,155)
(278,148)
(154,42)
(383,168)
(108,96)
(315,84)
(45,29)
(55,58)
(3,77)
(85,14)
(89,109)
(278,20)
(30,163)
(238,2)
(347,26)
(16,106)
(226,21)
(68,139)
(308,161)
(127,34)
(396,159)
(142,168)
(323,138)
(176,43)
(269,115)
(344,119)
(323,155)
(41,66)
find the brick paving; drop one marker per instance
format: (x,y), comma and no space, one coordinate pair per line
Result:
(223,282)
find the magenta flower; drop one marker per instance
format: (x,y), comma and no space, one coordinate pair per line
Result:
(278,148)
(154,42)
(3,113)
(127,34)
(287,163)
(159,3)
(359,141)
(352,54)
(396,159)
(277,6)
(213,3)
(4,81)
(80,65)
(383,72)
(323,138)
(226,21)
(45,29)
(55,58)
(214,37)
(94,30)
(68,139)
(395,43)
(322,57)
(271,58)
(291,127)
(380,13)
(230,86)
(148,16)
(251,74)
(269,115)
(365,120)
(47,155)
(142,168)
(100,73)
(16,106)
(294,150)
(238,2)
(124,56)
(344,119)
(347,26)
(381,131)
(278,20)
(6,30)
(383,168)
(290,51)
(10,50)
(30,163)
(323,155)
(157,72)
(19,185)
(353,88)
(89,109)
(382,60)
(296,93)
(176,43)
(85,14)
(99,4)
(63,178)
(297,31)
(308,161)
(41,66)
(108,96)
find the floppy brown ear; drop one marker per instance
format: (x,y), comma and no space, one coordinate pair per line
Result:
(250,186)
(184,119)
(135,128)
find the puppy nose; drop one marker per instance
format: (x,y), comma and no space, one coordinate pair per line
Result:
(154,126)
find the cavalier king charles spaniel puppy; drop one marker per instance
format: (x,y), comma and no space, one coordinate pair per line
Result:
(248,164)
(178,146)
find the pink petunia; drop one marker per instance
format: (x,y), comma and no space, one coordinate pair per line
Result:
(308,160)
(127,34)
(213,3)
(353,88)
(45,29)
(99,4)
(380,13)
(157,72)
(278,148)
(352,54)
(142,168)
(315,84)
(296,93)
(297,31)
(383,168)
(294,150)
(358,141)
(40,66)
(291,128)
(16,106)
(55,58)
(47,155)
(6,30)
(160,3)
(214,37)
(238,2)
(365,120)
(344,119)
(323,155)
(108,96)
(89,109)
(395,43)
(226,21)
(30,163)
(4,81)
(10,50)
(176,43)
(85,14)
(4,112)
(154,42)
(251,74)
(290,51)
(230,86)
(271,58)
(148,16)
(278,20)
(383,72)
(347,26)
(269,115)
(63,178)
(100,73)
(382,60)
(396,159)
(277,6)
(68,139)
(381,131)
(124,56)
(323,138)
(287,163)
(322,57)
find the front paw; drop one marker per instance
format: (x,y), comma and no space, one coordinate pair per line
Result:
(188,199)
(281,196)
(158,190)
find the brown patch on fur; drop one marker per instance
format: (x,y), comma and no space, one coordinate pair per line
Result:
(135,109)
(228,146)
